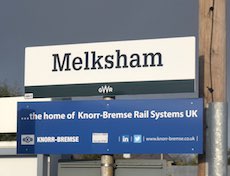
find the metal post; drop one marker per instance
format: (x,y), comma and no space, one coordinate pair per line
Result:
(42,165)
(107,165)
(217,132)
(54,164)
(107,161)
(162,156)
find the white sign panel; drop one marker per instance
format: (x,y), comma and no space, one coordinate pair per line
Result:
(99,68)
(12,166)
(8,113)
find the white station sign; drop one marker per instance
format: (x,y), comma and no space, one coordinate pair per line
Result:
(114,68)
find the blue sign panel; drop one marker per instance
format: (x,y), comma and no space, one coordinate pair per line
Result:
(110,127)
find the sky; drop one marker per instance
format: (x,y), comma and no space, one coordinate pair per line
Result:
(27,23)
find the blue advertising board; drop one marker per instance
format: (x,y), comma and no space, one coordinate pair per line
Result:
(110,127)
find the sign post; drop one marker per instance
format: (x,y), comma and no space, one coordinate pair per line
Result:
(212,51)
(153,66)
(107,161)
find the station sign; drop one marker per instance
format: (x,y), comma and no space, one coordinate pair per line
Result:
(110,127)
(151,66)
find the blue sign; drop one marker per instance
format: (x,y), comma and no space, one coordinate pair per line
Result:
(110,127)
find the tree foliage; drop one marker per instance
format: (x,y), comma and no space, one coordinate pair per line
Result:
(183,159)
(229,156)
(8,137)
(6,91)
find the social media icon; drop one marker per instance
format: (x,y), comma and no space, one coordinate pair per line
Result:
(125,138)
(137,138)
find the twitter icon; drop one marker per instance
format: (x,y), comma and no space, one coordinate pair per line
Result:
(137,138)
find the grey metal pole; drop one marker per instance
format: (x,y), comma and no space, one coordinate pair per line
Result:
(54,164)
(42,165)
(107,165)
(107,161)
(218,141)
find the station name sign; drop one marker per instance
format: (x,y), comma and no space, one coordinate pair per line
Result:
(92,61)
(111,68)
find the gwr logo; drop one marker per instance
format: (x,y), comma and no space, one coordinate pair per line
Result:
(105,89)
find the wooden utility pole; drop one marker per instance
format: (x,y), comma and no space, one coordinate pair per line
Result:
(212,53)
